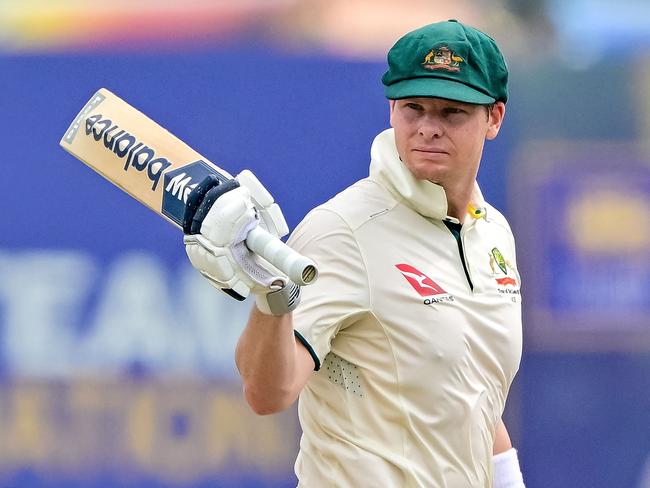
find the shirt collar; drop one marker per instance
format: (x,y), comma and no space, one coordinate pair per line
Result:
(426,198)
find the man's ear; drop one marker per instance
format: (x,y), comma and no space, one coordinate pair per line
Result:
(495,120)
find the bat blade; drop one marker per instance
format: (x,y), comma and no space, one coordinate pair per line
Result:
(159,170)
(138,155)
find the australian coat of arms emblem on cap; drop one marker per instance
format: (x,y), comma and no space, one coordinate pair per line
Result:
(442,58)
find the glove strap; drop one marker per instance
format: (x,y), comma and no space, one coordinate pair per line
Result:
(279,302)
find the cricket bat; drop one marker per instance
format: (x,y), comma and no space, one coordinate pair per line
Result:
(159,170)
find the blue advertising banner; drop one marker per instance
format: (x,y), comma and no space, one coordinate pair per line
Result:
(116,358)
(161,432)
(584,241)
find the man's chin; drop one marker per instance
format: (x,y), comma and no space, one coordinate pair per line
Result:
(426,172)
(430,177)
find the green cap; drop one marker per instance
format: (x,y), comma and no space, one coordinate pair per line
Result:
(447,60)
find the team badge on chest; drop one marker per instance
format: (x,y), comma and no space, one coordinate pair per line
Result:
(504,273)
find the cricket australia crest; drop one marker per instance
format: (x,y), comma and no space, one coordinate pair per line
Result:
(503,271)
(442,58)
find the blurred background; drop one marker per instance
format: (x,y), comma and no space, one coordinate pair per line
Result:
(117,360)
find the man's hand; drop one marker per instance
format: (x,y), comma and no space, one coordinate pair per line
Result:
(217,220)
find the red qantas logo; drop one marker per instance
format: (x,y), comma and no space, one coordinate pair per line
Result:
(424,285)
(506,281)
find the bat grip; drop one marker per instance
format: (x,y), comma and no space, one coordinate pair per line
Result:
(297,267)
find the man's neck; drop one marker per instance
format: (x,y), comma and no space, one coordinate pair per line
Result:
(457,212)
(457,201)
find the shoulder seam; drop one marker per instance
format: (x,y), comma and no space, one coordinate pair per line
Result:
(392,203)
(363,261)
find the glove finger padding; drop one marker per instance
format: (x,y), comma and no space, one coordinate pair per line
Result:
(227,225)
(270,215)
(214,265)
(231,219)
(198,205)
(201,199)
(219,252)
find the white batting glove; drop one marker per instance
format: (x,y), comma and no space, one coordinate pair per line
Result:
(270,215)
(220,254)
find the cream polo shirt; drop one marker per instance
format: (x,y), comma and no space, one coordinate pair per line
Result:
(415,352)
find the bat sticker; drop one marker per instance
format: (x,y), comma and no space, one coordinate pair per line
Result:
(178,185)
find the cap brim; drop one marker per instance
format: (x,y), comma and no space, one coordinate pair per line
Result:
(438,88)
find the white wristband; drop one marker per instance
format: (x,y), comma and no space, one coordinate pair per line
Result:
(507,473)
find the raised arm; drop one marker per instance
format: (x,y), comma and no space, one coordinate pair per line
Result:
(218,218)
(273,364)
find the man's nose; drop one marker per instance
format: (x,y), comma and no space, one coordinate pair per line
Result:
(431,128)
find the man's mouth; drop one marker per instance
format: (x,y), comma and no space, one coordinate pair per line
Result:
(431,150)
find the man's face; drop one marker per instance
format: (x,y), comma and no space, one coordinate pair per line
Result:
(441,140)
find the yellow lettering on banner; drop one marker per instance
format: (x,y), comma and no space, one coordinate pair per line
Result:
(202,428)
(238,435)
(177,430)
(141,427)
(226,431)
(27,436)
(94,431)
(180,435)
(606,221)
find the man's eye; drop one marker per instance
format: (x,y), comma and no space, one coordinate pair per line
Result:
(454,110)
(414,106)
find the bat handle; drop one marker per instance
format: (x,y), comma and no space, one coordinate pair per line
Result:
(297,267)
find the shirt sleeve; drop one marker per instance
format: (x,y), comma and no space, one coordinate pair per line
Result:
(341,293)
(511,237)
